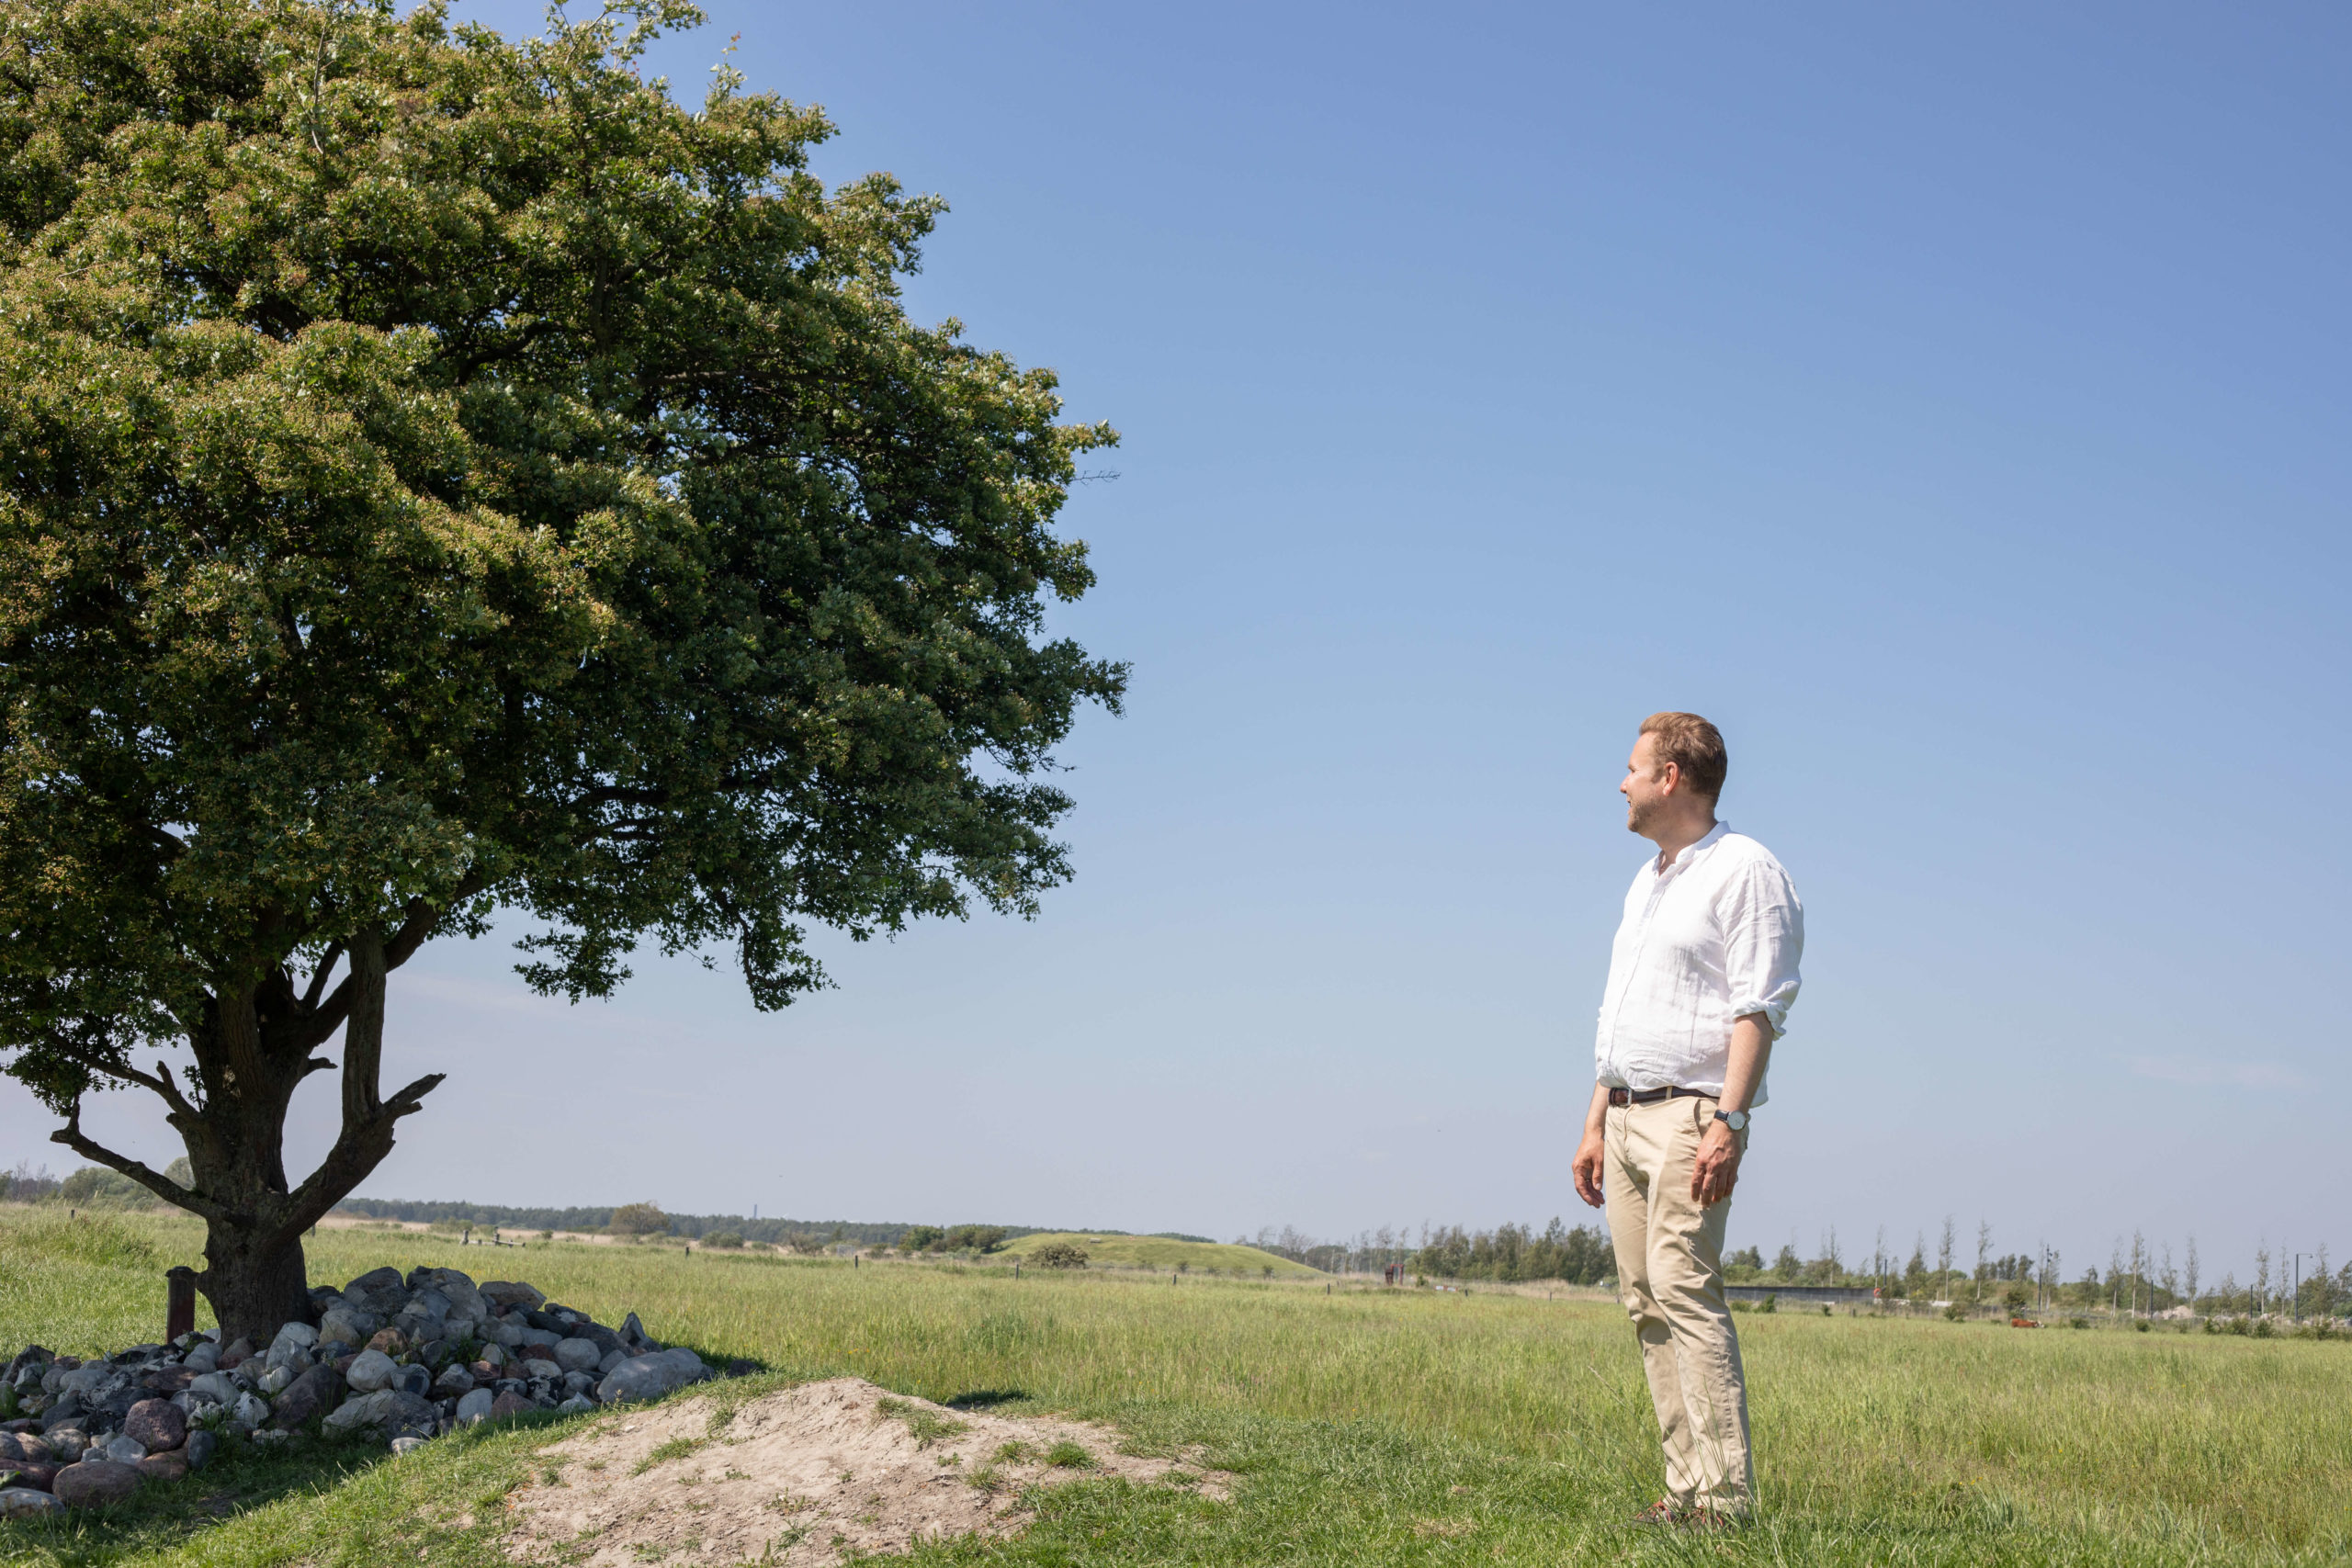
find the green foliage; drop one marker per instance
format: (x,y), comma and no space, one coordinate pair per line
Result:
(1581,1256)
(731,1239)
(638,1219)
(921,1238)
(94,1187)
(1067,1455)
(441,474)
(972,1238)
(1057,1255)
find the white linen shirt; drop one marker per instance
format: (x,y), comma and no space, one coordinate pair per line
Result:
(1714,936)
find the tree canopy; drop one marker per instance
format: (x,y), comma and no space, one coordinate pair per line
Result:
(442,475)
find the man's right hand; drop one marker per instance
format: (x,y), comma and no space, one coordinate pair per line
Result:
(1586,1168)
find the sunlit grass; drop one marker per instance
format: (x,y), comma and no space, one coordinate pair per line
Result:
(1352,1416)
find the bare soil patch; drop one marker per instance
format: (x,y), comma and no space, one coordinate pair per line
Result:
(799,1476)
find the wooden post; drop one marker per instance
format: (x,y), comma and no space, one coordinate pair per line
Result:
(179,1302)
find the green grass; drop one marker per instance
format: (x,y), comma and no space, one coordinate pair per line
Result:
(1365,1427)
(1164,1255)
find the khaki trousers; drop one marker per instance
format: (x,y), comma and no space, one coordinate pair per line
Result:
(1670,1275)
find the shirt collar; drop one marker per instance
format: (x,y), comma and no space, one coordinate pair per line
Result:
(1688,850)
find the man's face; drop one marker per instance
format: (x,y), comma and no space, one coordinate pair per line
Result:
(1644,785)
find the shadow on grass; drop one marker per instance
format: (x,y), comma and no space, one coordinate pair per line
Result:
(985,1398)
(243,1476)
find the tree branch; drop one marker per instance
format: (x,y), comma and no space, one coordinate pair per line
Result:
(319,976)
(163,1187)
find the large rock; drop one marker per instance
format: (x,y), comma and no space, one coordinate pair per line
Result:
(651,1376)
(295,1334)
(372,1280)
(218,1387)
(346,1325)
(248,1413)
(200,1449)
(124,1449)
(156,1425)
(509,1403)
(366,1410)
(95,1483)
(577,1355)
(390,1341)
(172,1466)
(509,1293)
(538,1366)
(371,1371)
(315,1392)
(475,1406)
(454,1382)
(203,1358)
(410,1416)
(33,1473)
(23,1503)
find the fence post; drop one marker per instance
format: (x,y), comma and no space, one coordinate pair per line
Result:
(179,1302)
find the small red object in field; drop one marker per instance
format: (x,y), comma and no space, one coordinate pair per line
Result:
(2023,1323)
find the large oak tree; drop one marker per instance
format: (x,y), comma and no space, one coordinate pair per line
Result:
(441,476)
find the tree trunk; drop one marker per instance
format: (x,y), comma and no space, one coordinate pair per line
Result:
(253,1048)
(253,1285)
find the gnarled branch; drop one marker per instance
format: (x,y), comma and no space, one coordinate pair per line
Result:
(163,1187)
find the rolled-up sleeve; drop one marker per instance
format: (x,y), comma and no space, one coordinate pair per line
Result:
(1763,927)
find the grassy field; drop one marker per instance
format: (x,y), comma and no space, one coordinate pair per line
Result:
(1365,1427)
(1164,1255)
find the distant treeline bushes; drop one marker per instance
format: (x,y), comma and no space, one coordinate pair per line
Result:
(645,1219)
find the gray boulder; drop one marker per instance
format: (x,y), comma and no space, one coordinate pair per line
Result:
(651,1376)
(201,1444)
(612,1358)
(371,1371)
(456,1380)
(318,1390)
(219,1388)
(373,1280)
(203,1358)
(366,1410)
(24,1502)
(123,1449)
(576,1403)
(346,1326)
(577,1355)
(248,1413)
(509,1293)
(474,1406)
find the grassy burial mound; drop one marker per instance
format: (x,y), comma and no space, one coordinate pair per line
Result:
(1105,1249)
(1374,1426)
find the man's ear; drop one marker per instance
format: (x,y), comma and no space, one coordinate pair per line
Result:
(1669,777)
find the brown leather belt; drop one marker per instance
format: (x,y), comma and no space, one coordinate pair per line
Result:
(1652,1096)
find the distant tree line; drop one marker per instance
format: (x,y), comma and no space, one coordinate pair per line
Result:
(776,1232)
(1579,1255)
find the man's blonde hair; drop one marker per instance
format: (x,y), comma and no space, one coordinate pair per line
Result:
(1694,746)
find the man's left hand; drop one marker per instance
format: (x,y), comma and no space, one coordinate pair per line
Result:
(1715,1170)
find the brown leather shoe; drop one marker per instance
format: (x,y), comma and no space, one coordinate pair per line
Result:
(1664,1511)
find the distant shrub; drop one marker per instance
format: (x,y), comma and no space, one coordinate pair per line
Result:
(1266,1271)
(972,1238)
(638,1219)
(920,1238)
(1770,1303)
(1058,1254)
(96,1187)
(724,1238)
(1954,1313)
(2078,1323)
(2262,1329)
(1067,1455)
(2140,1325)
(2014,1297)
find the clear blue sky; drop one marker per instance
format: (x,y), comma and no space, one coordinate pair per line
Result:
(1951,404)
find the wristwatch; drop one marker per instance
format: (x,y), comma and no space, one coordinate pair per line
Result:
(1734,1120)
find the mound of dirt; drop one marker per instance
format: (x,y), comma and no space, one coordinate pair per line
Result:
(800,1475)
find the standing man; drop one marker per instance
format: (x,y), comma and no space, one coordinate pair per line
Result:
(1700,983)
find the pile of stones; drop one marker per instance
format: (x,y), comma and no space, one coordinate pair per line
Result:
(391,1359)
